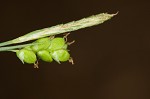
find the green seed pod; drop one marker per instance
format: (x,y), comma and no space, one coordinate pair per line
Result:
(65,46)
(26,56)
(56,44)
(28,48)
(60,55)
(44,43)
(45,56)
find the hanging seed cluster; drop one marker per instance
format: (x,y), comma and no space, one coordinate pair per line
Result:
(47,49)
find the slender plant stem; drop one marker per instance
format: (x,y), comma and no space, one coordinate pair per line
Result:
(62,28)
(6,43)
(11,48)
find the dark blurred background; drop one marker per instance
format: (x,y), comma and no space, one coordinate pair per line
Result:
(112,60)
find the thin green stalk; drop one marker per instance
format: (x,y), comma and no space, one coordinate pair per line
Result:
(62,28)
(12,48)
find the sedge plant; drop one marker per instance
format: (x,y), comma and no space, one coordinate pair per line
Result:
(47,47)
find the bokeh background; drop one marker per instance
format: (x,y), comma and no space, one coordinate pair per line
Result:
(112,60)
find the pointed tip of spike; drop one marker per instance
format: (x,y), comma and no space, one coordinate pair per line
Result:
(115,13)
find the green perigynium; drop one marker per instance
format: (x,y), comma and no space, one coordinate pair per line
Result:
(57,43)
(60,55)
(28,48)
(26,56)
(45,56)
(44,43)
